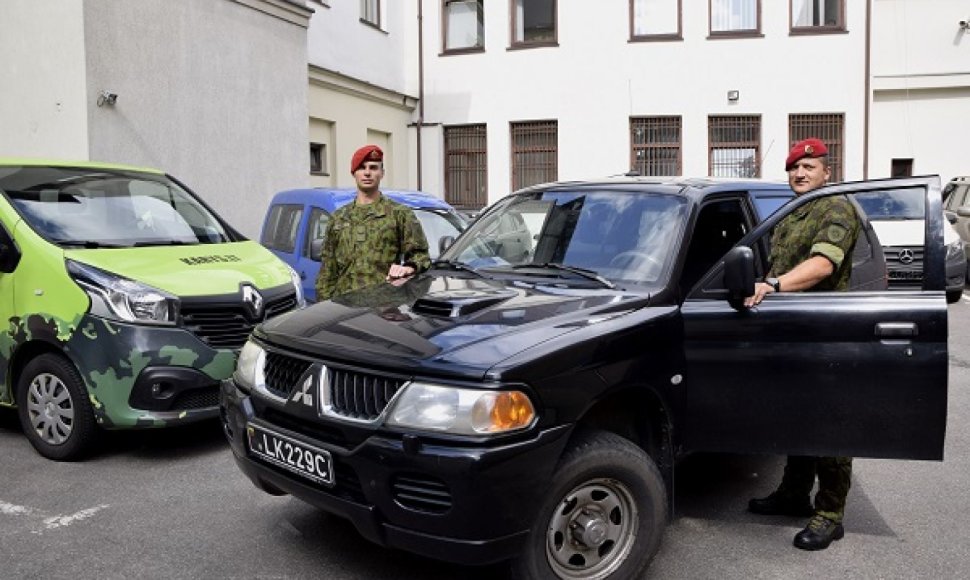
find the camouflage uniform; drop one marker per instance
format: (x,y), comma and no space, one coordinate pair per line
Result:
(362,241)
(827,227)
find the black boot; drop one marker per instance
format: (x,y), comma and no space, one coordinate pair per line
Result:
(780,504)
(818,534)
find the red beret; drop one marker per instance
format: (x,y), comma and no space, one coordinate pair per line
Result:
(810,147)
(365,153)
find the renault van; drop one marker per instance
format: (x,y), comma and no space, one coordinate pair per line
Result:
(126,300)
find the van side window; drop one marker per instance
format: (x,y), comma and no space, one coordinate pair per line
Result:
(281,227)
(316,229)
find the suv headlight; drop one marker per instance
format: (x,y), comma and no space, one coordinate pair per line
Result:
(298,286)
(249,367)
(461,411)
(122,299)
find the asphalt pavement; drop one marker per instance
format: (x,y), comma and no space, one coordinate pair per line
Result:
(171,504)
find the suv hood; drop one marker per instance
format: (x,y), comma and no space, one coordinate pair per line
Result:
(196,270)
(451,325)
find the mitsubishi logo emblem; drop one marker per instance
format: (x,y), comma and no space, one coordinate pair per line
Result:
(253,301)
(303,394)
(906,256)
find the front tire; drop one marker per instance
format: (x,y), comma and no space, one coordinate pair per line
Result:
(54,410)
(604,516)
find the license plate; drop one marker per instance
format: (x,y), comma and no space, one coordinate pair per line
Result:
(305,460)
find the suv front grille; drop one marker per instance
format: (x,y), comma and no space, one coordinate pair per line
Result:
(358,395)
(282,372)
(421,493)
(223,324)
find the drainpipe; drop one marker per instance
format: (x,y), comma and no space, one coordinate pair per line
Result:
(420,86)
(865,120)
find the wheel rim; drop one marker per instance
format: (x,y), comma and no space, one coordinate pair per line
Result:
(593,530)
(50,409)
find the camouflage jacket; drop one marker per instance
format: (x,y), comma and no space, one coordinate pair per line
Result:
(826,227)
(361,243)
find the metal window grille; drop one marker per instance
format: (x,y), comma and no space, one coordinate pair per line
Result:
(535,152)
(829,128)
(466,166)
(734,146)
(655,145)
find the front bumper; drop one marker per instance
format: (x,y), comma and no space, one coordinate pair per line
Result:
(485,499)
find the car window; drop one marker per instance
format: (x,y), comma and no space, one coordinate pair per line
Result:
(436,225)
(316,229)
(769,205)
(282,225)
(896,204)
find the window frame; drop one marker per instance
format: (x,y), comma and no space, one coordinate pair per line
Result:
(820,125)
(470,174)
(666,145)
(756,144)
(364,6)
(516,169)
(318,159)
(515,44)
(480,47)
(663,36)
(739,33)
(821,29)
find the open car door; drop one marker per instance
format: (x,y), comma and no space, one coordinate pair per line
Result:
(853,373)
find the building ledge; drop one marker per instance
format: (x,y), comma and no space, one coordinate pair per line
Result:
(935,80)
(292,11)
(339,82)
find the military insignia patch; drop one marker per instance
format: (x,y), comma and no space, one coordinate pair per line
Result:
(836,233)
(809,149)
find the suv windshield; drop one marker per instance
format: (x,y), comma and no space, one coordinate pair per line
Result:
(619,235)
(96,207)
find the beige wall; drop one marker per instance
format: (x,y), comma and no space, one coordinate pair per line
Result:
(361,113)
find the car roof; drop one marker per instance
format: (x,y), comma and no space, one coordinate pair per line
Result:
(28,162)
(332,198)
(695,188)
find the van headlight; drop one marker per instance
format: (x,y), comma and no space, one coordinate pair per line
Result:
(298,286)
(118,298)
(447,409)
(249,367)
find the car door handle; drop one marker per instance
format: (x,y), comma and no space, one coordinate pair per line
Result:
(896,329)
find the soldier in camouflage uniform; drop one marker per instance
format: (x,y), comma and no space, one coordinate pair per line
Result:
(811,250)
(371,240)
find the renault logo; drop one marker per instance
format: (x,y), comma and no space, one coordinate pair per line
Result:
(253,301)
(906,256)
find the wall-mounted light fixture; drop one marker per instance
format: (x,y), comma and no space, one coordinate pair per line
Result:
(107,98)
(965,24)
(733,96)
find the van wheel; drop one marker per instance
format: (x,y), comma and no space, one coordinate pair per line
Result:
(603,517)
(54,409)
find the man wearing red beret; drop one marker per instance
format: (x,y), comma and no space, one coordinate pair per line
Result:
(811,249)
(371,240)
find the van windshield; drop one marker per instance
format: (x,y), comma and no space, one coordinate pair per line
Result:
(85,207)
(617,235)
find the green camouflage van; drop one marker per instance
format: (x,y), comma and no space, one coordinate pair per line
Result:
(125,299)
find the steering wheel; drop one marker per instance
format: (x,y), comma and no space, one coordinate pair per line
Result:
(635,261)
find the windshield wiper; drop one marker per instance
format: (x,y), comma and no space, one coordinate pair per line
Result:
(88,244)
(161,243)
(455,265)
(582,272)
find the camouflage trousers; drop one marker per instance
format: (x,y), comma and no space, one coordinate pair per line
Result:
(834,478)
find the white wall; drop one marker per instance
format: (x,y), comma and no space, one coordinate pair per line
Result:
(596,79)
(921,86)
(43,104)
(211,91)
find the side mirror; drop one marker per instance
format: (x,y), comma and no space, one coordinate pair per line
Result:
(739,273)
(316,249)
(444,243)
(950,216)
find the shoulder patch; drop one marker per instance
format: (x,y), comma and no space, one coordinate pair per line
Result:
(836,233)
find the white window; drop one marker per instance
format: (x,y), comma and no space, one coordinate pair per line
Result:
(817,14)
(370,12)
(655,17)
(464,24)
(534,21)
(734,16)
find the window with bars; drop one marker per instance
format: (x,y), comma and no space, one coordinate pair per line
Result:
(825,126)
(466,163)
(814,15)
(533,22)
(655,145)
(535,151)
(734,146)
(370,12)
(735,16)
(655,19)
(464,22)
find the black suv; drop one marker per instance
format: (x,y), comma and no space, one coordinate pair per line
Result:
(526,399)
